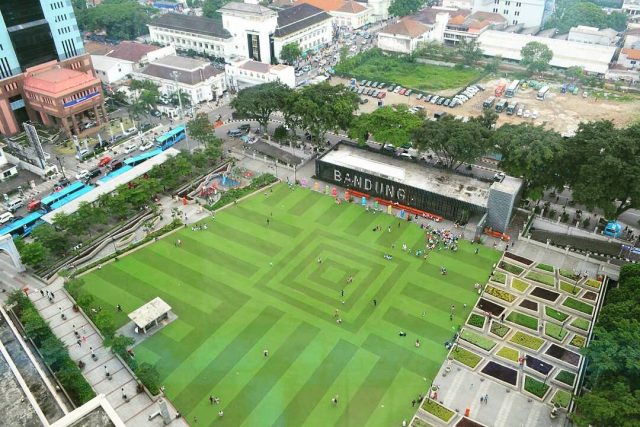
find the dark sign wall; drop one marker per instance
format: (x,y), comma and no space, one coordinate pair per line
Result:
(387,189)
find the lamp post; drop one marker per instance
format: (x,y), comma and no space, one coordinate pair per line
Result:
(61,162)
(175,75)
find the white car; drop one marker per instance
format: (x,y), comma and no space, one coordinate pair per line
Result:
(82,174)
(130,148)
(526,114)
(146,146)
(131,130)
(534,114)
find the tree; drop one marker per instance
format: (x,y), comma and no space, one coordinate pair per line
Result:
(574,73)
(532,152)
(404,7)
(324,107)
(210,8)
(290,52)
(392,125)
(120,19)
(453,141)
(55,241)
(470,51)
(602,167)
(200,128)
(493,64)
(535,56)
(259,102)
(429,49)
(147,99)
(33,254)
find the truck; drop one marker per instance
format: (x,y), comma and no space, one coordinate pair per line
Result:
(500,89)
(488,103)
(500,106)
(511,108)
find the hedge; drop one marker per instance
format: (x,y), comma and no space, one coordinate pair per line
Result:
(523,320)
(478,340)
(476,320)
(499,329)
(545,279)
(499,293)
(545,267)
(234,194)
(465,357)
(555,314)
(514,269)
(566,377)
(535,387)
(519,285)
(555,331)
(578,305)
(52,349)
(438,410)
(526,340)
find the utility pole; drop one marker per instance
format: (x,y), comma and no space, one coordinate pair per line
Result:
(61,162)
(175,75)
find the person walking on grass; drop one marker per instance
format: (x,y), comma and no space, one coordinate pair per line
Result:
(265,352)
(211,399)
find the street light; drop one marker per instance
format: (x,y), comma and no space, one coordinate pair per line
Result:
(61,162)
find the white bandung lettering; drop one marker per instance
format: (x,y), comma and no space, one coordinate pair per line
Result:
(357,181)
(368,185)
(337,176)
(401,194)
(389,191)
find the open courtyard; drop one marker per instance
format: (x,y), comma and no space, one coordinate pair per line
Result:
(276,272)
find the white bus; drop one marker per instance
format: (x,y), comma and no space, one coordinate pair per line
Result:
(512,89)
(542,93)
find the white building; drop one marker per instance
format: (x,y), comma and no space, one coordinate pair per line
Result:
(245,72)
(203,35)
(7,169)
(526,12)
(458,4)
(592,58)
(592,35)
(403,36)
(139,53)
(467,28)
(110,70)
(347,13)
(304,24)
(631,8)
(629,58)
(195,78)
(251,27)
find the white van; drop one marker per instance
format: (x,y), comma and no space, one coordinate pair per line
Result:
(5,217)
(14,205)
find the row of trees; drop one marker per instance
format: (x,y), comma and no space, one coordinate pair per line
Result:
(120,19)
(52,242)
(600,163)
(613,373)
(316,109)
(571,13)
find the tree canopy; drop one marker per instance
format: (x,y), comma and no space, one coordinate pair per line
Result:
(210,8)
(404,7)
(290,52)
(120,19)
(259,102)
(536,56)
(470,51)
(393,125)
(571,13)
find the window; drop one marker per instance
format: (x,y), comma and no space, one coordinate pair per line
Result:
(505,12)
(518,4)
(516,13)
(507,3)
(495,10)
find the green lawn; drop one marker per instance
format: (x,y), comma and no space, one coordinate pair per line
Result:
(375,66)
(232,304)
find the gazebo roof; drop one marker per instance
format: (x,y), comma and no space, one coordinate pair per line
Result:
(149,312)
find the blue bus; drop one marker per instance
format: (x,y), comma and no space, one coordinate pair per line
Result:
(59,195)
(170,138)
(22,227)
(108,177)
(71,197)
(133,161)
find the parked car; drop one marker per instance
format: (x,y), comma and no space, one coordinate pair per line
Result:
(34,205)
(82,174)
(104,161)
(146,146)
(130,148)
(245,127)
(382,94)
(93,173)
(427,98)
(115,165)
(235,133)
(402,91)
(408,93)
(5,217)
(14,205)
(131,130)
(156,113)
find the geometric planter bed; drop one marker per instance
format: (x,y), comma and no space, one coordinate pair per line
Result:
(570,288)
(499,329)
(489,306)
(526,340)
(592,283)
(555,314)
(513,269)
(561,398)
(535,387)
(566,377)
(476,320)
(419,422)
(499,277)
(466,422)
(518,258)
(437,410)
(466,357)
(555,331)
(589,295)
(545,279)
(580,323)
(545,267)
(509,353)
(538,365)
(569,274)
(501,372)
(564,355)
(544,294)
(478,340)
(499,293)
(523,320)
(519,285)
(578,341)
(529,305)
(577,305)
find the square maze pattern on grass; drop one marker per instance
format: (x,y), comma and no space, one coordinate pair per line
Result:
(244,286)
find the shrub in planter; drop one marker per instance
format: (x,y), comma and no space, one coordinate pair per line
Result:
(569,274)
(535,387)
(476,320)
(593,283)
(499,329)
(561,398)
(578,305)
(523,320)
(555,314)
(545,267)
(578,341)
(499,293)
(566,377)
(149,376)
(499,277)
(569,288)
(465,357)
(438,410)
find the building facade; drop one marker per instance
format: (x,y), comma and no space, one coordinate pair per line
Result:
(194,78)
(529,13)
(251,27)
(110,70)
(593,35)
(306,25)
(629,58)
(403,36)
(245,73)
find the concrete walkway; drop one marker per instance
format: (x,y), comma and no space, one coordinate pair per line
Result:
(135,411)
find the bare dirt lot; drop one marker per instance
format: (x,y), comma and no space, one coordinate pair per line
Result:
(562,112)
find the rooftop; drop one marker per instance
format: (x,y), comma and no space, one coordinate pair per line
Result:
(102,62)
(259,67)
(428,15)
(406,27)
(131,51)
(345,6)
(439,181)
(298,17)
(191,24)
(56,81)
(149,312)
(584,29)
(246,8)
(189,71)
(631,53)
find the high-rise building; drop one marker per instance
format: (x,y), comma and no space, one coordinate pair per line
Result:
(40,42)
